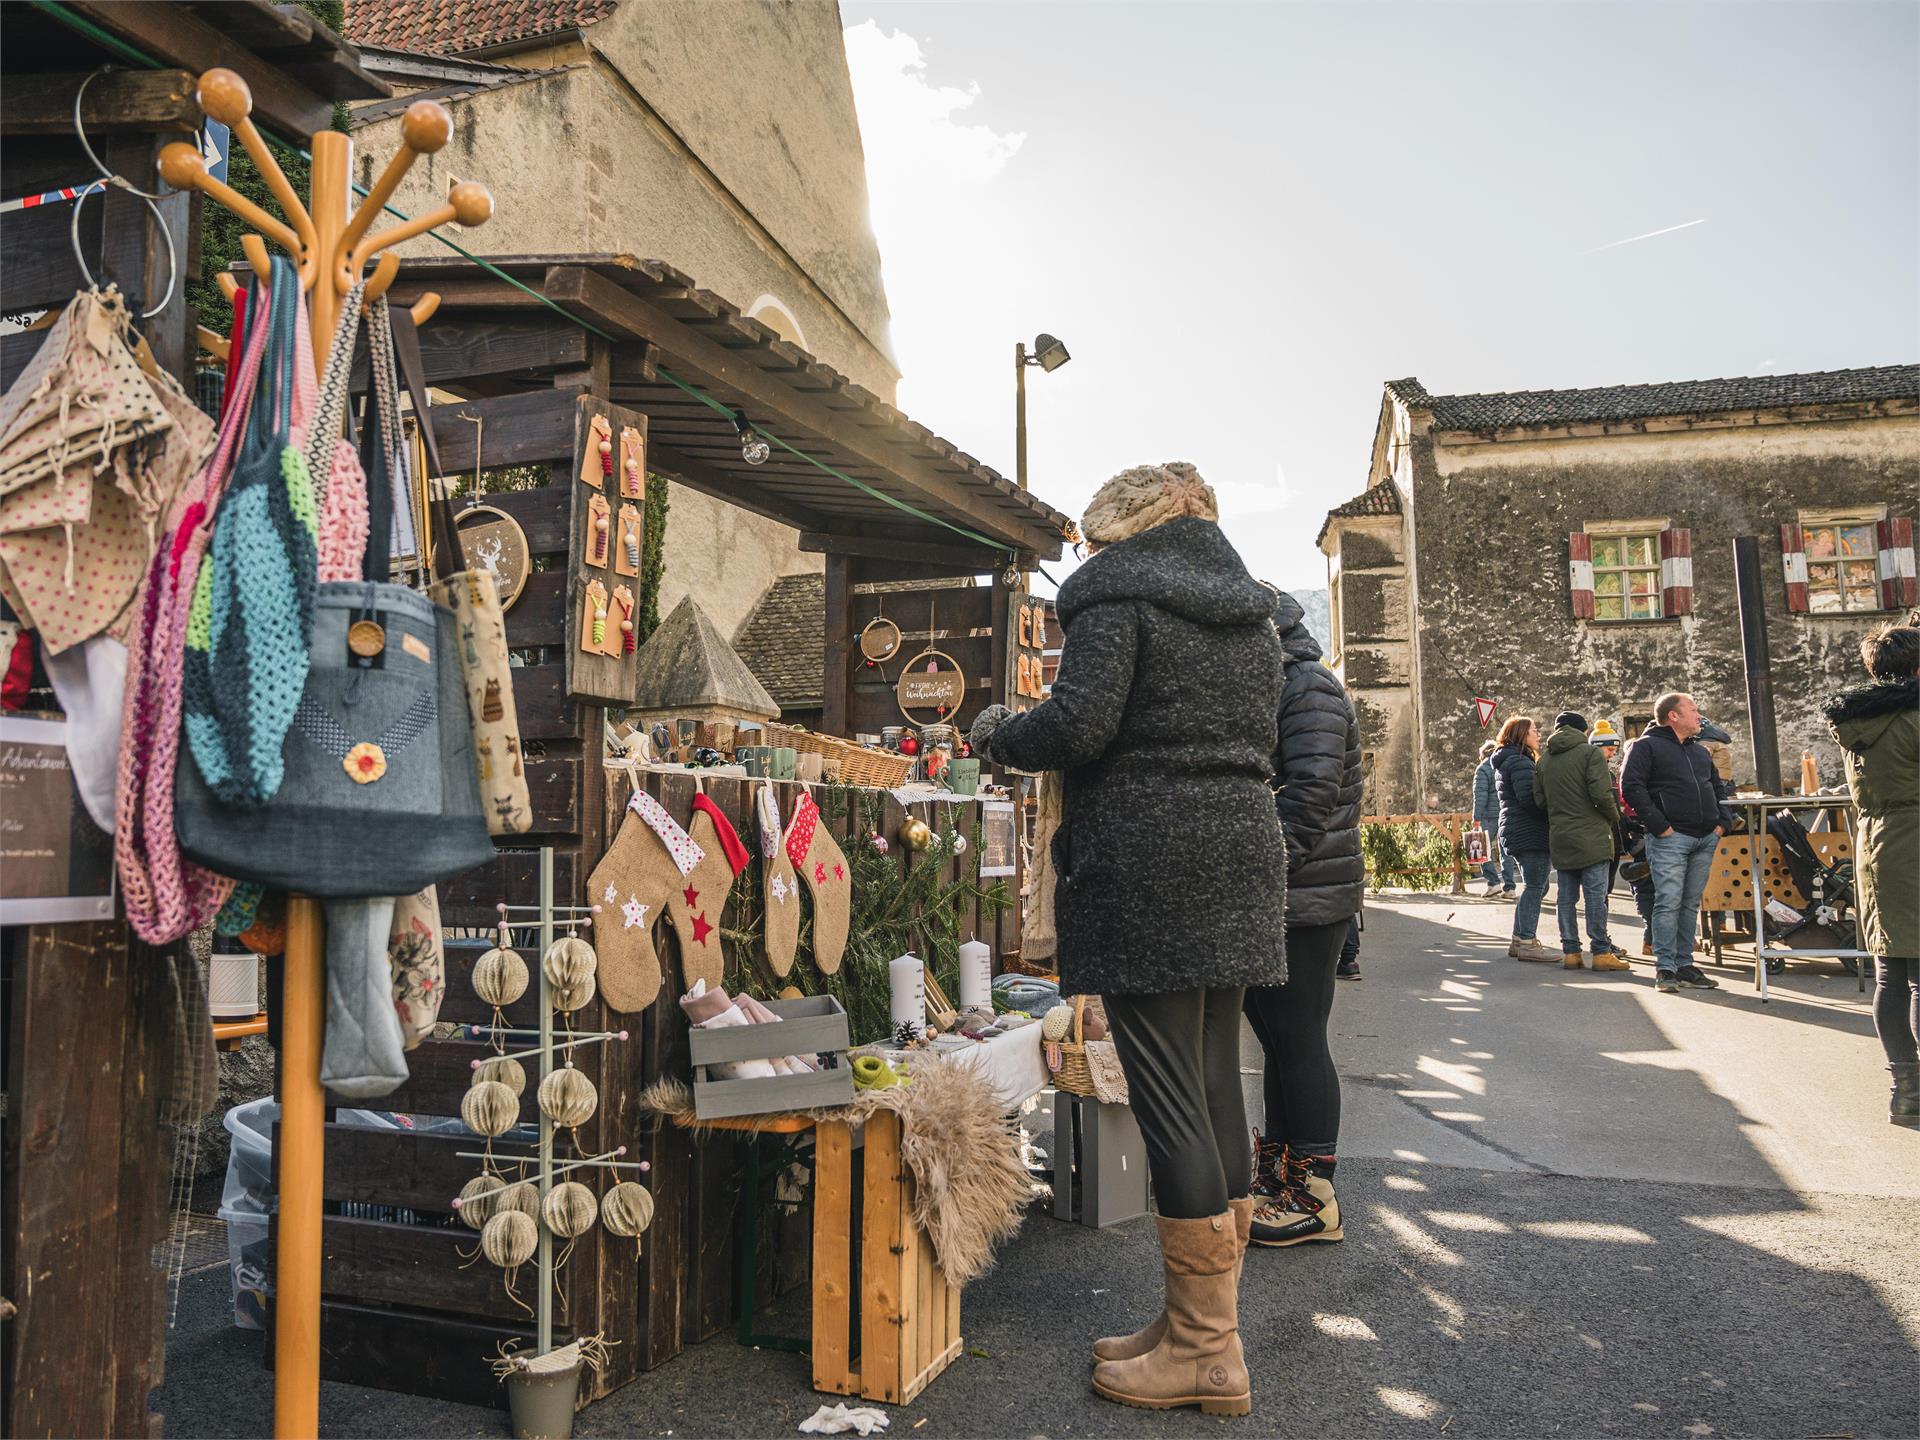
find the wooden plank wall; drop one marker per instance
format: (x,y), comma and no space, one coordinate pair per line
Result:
(962,627)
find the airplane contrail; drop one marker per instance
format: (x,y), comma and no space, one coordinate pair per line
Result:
(1615,244)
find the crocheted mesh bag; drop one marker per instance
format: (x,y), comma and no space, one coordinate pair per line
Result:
(252,610)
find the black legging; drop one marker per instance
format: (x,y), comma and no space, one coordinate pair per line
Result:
(1181,1054)
(1290,1020)
(1896,1007)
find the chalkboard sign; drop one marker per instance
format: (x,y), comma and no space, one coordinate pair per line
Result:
(55,863)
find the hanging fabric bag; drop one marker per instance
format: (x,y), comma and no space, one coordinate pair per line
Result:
(167,895)
(381,796)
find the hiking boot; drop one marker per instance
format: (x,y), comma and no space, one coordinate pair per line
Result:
(1532,950)
(1903,1108)
(1611,958)
(1693,978)
(1666,982)
(1571,960)
(1198,1360)
(1128,1347)
(1646,947)
(1308,1211)
(1347,970)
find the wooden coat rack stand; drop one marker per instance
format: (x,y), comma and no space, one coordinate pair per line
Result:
(331,249)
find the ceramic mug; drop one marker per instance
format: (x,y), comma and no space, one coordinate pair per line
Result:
(781,767)
(754,757)
(963,776)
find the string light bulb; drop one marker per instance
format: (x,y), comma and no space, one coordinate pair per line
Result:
(754,448)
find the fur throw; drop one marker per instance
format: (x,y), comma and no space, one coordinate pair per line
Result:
(970,1189)
(1136,500)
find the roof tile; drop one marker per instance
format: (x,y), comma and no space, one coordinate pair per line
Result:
(448,27)
(782,640)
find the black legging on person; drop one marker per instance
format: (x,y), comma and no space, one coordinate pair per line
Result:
(1181,1054)
(1290,1020)
(1896,1007)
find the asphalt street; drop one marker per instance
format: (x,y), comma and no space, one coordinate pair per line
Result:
(1573,1206)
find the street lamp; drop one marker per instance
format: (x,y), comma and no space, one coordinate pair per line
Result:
(1049,354)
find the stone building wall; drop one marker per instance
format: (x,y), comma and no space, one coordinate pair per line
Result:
(1373,654)
(1494,608)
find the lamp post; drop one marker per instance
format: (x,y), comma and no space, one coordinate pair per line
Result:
(1049,354)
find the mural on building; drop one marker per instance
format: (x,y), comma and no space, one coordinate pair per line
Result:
(1573,548)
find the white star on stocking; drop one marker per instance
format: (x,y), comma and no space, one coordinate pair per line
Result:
(634,911)
(613,893)
(781,889)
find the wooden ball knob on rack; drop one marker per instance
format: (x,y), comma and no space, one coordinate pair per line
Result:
(225,96)
(426,127)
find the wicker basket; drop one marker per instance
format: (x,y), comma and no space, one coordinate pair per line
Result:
(1068,1058)
(858,765)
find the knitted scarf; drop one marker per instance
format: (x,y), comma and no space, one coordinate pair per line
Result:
(252,610)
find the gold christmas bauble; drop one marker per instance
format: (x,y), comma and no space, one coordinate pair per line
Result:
(916,834)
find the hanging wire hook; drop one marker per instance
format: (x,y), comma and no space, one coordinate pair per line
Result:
(120,182)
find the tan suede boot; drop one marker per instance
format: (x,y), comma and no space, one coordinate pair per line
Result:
(1126,1347)
(1198,1361)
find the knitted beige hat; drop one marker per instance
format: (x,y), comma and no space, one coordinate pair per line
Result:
(1136,500)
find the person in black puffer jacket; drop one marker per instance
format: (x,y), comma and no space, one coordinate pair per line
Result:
(1317,789)
(1523,831)
(1171,894)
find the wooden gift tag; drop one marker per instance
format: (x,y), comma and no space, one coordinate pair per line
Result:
(626,544)
(597,456)
(620,634)
(633,463)
(599,529)
(593,618)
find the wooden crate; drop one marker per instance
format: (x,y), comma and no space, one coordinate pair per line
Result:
(905,1328)
(810,1026)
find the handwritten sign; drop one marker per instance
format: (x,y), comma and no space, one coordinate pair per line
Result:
(935,690)
(55,864)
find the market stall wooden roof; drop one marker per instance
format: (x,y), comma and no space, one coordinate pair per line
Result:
(657,326)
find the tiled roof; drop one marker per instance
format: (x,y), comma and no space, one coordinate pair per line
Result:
(1521,408)
(453,94)
(1381,499)
(448,27)
(783,641)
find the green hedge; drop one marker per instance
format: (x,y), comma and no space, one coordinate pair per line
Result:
(1407,857)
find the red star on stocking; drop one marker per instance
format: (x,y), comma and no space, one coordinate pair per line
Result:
(839,873)
(701,929)
(692,896)
(819,874)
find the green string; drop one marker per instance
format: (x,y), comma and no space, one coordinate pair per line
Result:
(99,36)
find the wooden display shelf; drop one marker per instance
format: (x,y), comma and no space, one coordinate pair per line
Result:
(906,1327)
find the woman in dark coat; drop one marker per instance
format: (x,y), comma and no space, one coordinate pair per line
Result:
(1523,831)
(1317,789)
(1172,879)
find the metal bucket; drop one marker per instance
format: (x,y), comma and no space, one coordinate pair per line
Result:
(543,1405)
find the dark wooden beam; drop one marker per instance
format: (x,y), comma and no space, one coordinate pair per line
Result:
(174,35)
(127,100)
(839,642)
(859,432)
(523,429)
(697,474)
(970,559)
(464,347)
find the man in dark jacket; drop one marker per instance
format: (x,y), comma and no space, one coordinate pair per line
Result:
(1317,787)
(1573,785)
(1669,781)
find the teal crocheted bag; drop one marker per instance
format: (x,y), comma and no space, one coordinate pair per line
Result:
(252,612)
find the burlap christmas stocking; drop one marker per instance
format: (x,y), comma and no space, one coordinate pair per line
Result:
(650,859)
(782,924)
(822,868)
(695,907)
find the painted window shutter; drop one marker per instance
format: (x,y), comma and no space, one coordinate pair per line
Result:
(1676,571)
(1793,556)
(1898,587)
(1580,573)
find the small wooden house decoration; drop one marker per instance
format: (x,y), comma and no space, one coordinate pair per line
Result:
(687,669)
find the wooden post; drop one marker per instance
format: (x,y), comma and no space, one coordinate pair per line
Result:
(296,1303)
(839,639)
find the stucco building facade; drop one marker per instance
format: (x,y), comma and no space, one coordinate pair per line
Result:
(720,137)
(1574,549)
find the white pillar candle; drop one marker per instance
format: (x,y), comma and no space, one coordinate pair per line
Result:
(906,978)
(976,975)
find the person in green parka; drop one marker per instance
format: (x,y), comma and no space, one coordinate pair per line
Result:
(1575,787)
(1878,725)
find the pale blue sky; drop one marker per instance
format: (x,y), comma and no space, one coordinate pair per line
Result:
(1242,218)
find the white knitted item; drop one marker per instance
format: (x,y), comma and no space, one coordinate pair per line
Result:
(1136,500)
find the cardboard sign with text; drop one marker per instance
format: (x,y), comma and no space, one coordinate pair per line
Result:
(55,863)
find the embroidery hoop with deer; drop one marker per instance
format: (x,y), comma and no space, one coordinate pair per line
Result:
(499,548)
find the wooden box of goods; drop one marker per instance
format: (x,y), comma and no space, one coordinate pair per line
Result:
(906,1328)
(851,764)
(810,1026)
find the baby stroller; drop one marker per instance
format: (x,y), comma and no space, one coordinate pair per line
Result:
(1828,921)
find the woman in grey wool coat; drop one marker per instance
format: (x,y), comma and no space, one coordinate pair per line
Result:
(1172,882)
